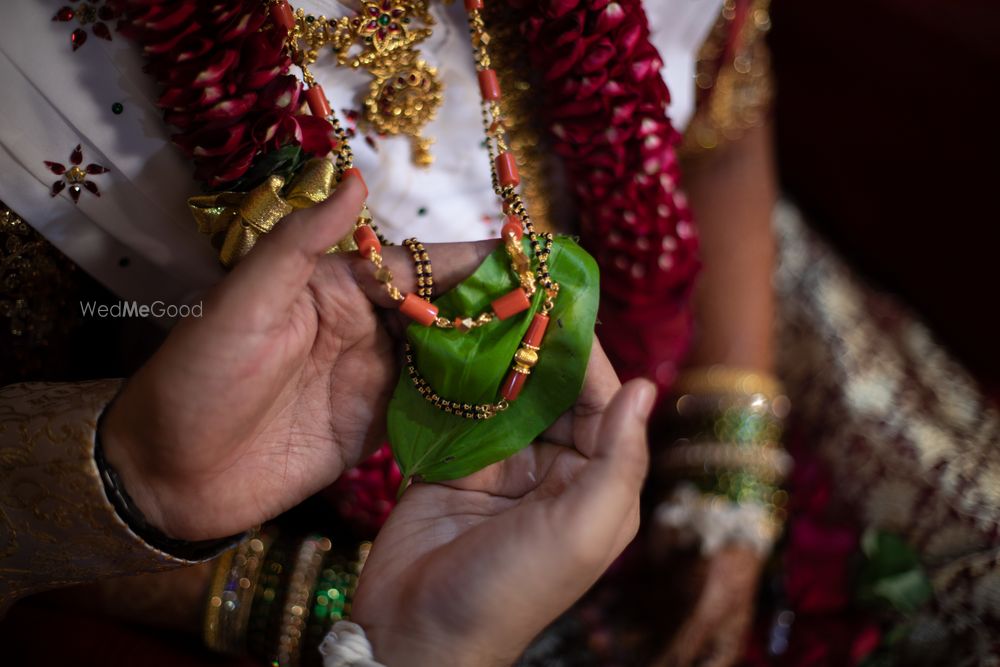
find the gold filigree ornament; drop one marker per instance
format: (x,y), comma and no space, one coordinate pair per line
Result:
(405,92)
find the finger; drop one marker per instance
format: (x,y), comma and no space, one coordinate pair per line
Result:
(278,268)
(451,264)
(606,490)
(578,428)
(621,438)
(518,475)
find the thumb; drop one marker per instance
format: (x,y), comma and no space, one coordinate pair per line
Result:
(607,491)
(281,263)
(622,433)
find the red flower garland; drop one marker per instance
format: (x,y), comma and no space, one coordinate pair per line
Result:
(228,91)
(226,84)
(605,106)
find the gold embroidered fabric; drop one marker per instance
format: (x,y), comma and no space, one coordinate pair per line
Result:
(37,312)
(911,440)
(733,77)
(57,527)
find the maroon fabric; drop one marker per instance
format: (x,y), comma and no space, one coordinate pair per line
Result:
(888,136)
(37,635)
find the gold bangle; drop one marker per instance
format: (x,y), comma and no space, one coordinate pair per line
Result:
(301,583)
(234,582)
(723,380)
(213,606)
(767,462)
(238,594)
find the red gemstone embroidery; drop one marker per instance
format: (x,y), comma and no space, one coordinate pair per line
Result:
(75,176)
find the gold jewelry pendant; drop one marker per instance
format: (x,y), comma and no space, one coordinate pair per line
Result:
(405,92)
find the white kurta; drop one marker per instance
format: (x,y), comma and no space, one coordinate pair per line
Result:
(55,99)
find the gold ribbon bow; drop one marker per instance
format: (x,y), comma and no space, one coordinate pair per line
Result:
(246,216)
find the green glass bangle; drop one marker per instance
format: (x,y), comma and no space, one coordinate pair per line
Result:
(268,601)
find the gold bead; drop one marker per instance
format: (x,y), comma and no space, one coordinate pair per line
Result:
(383,275)
(526,357)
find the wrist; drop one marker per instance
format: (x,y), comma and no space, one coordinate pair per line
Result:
(121,452)
(116,463)
(394,647)
(429,645)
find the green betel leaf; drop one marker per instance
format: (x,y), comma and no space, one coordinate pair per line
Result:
(435,446)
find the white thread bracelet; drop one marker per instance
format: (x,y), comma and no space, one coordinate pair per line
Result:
(347,646)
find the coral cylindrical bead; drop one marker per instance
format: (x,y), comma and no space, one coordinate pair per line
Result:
(318,104)
(367,241)
(283,15)
(473,4)
(507,169)
(419,310)
(512,226)
(536,330)
(511,304)
(512,386)
(489,85)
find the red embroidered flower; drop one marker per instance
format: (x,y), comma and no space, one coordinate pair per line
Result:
(75,176)
(93,13)
(605,105)
(226,84)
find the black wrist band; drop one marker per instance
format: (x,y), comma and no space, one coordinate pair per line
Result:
(133,517)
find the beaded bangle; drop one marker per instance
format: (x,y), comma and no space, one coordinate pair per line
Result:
(422,263)
(729,453)
(768,463)
(228,612)
(213,607)
(700,406)
(712,522)
(332,599)
(268,601)
(301,583)
(727,380)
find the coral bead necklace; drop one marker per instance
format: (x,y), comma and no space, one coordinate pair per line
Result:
(531,276)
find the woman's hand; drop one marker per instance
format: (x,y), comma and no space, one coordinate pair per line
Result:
(279,386)
(722,606)
(467,573)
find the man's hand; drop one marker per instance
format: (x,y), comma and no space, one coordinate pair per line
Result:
(467,573)
(280,386)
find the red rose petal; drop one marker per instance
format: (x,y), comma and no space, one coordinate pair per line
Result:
(317,135)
